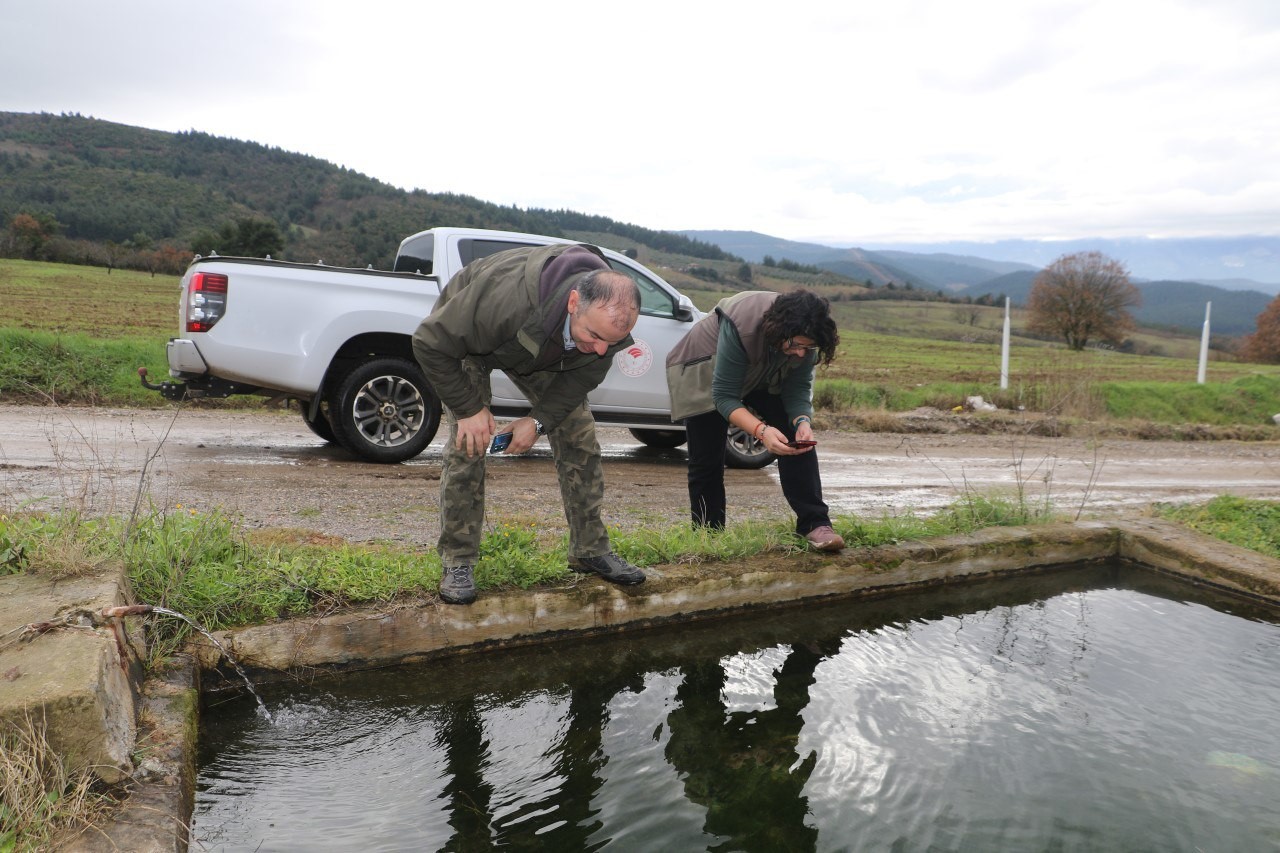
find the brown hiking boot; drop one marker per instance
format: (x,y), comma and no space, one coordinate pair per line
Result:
(824,539)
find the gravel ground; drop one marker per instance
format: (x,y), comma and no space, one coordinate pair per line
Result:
(269,469)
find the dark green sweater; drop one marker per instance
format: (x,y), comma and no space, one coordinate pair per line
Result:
(782,376)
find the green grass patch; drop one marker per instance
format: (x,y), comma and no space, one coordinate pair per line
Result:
(512,556)
(1252,524)
(72,299)
(1071,387)
(1244,400)
(845,394)
(205,566)
(44,367)
(911,359)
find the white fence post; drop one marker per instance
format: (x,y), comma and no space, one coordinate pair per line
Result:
(1004,349)
(1204,345)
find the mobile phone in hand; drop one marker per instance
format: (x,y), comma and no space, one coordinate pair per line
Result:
(801,443)
(500,442)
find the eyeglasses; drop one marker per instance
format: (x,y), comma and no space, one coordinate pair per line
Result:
(790,343)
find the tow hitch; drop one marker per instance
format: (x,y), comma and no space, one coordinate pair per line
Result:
(204,387)
(168,390)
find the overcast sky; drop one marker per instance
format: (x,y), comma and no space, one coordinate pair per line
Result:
(831,121)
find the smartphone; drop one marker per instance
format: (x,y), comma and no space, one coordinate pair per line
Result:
(500,442)
(799,443)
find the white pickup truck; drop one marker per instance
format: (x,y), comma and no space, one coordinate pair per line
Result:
(338,340)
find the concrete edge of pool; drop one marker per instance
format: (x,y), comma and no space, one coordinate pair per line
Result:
(156,813)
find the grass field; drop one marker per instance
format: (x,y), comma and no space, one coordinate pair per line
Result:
(75,334)
(63,299)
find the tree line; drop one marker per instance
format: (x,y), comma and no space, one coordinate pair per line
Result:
(113,185)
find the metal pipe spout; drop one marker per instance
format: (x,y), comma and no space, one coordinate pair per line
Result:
(126,610)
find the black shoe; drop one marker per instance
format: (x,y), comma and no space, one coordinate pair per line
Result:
(457,586)
(609,566)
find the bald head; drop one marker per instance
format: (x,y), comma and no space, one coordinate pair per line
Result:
(612,290)
(604,308)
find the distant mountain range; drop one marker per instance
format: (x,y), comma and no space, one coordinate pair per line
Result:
(1181,270)
(1232,263)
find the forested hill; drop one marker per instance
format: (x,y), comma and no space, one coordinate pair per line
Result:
(109,183)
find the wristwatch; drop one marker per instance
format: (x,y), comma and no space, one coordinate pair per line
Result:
(537,425)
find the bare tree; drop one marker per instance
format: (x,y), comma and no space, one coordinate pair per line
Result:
(967,315)
(1083,296)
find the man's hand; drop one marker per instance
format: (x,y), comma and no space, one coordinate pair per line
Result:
(475,433)
(524,433)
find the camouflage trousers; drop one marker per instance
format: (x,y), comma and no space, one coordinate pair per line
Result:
(577,456)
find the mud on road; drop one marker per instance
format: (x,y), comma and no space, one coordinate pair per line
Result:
(269,469)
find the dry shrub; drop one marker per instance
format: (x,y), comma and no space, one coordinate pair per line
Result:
(944,400)
(877,420)
(1059,383)
(1069,397)
(71,558)
(40,797)
(285,537)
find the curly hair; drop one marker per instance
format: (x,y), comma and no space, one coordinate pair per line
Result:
(802,313)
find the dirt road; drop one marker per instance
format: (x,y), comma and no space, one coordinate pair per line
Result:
(270,469)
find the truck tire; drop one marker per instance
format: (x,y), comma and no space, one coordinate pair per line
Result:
(320,426)
(383,410)
(743,451)
(662,438)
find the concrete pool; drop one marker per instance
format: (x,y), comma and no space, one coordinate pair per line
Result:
(371,638)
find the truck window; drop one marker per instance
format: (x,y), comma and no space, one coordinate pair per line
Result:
(470,249)
(417,255)
(654,301)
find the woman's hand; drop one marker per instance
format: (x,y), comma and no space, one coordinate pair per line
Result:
(775,440)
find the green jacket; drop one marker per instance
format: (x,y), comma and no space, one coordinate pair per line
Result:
(723,358)
(507,312)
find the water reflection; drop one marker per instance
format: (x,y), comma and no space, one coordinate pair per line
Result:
(1036,715)
(743,765)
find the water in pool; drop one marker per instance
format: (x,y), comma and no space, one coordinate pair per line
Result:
(1095,709)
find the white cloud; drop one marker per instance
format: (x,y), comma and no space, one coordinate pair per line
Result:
(829,120)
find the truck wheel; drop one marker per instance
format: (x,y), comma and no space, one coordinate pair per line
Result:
(383,410)
(664,438)
(320,426)
(743,451)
